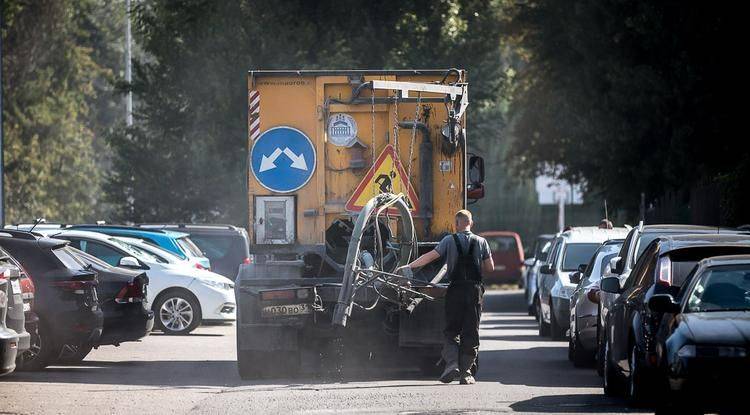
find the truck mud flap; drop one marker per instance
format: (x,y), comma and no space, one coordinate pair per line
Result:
(267,337)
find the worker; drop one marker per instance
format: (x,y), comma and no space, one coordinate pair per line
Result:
(605,224)
(467,256)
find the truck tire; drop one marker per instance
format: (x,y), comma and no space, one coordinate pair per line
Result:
(256,364)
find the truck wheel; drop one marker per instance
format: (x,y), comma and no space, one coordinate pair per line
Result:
(177,312)
(254,364)
(431,367)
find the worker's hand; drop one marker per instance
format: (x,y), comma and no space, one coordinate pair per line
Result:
(403,270)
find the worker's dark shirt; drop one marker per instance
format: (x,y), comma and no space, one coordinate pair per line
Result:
(448,252)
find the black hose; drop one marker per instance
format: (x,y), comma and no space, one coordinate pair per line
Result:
(449,72)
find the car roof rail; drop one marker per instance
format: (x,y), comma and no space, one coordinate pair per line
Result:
(122,227)
(181,225)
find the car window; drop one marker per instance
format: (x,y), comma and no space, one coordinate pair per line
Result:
(68,259)
(683,260)
(552,258)
(134,251)
(628,242)
(543,250)
(189,247)
(89,259)
(222,246)
(642,243)
(502,244)
(721,288)
(575,254)
(638,276)
(107,254)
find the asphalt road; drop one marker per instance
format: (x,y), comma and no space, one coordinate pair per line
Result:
(197,374)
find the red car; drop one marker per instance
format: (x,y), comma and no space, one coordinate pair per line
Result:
(507,252)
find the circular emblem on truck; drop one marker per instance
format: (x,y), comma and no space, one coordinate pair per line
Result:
(282,159)
(342,130)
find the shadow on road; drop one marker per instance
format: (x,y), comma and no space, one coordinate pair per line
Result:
(573,404)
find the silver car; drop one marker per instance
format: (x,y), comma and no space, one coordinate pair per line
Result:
(584,318)
(539,254)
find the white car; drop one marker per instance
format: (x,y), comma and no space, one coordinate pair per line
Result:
(181,296)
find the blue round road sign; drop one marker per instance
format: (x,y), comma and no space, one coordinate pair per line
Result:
(282,159)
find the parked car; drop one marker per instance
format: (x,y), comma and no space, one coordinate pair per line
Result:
(571,251)
(630,357)
(65,298)
(15,314)
(177,243)
(703,342)
(226,246)
(539,256)
(123,300)
(621,265)
(181,297)
(8,337)
(507,253)
(583,312)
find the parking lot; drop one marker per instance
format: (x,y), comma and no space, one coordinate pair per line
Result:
(520,372)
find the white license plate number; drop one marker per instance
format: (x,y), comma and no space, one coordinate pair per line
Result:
(286,310)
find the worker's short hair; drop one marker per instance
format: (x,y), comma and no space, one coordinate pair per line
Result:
(463,214)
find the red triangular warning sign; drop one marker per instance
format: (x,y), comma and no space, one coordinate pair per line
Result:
(386,175)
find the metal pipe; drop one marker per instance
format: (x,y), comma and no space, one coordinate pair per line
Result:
(425,168)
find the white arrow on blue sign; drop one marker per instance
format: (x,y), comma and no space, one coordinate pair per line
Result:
(282,159)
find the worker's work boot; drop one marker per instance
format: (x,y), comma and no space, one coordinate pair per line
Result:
(467,362)
(450,356)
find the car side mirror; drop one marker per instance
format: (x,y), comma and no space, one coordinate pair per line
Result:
(663,303)
(546,269)
(476,170)
(610,285)
(129,262)
(614,265)
(529,262)
(575,277)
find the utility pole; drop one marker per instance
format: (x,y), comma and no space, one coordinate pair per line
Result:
(128,69)
(2,143)
(561,193)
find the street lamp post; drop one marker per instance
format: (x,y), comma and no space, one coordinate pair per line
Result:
(2,144)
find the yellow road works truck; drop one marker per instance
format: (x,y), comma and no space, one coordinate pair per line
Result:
(350,175)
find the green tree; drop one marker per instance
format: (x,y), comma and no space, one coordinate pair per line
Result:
(51,77)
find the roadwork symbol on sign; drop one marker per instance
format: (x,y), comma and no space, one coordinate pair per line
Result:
(386,175)
(282,159)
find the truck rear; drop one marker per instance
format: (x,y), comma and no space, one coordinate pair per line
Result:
(321,145)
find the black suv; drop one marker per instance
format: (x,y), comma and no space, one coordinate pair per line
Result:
(65,298)
(226,246)
(630,349)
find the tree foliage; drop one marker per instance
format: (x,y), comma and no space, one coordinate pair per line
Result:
(630,96)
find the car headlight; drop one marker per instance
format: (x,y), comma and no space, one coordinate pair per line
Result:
(220,285)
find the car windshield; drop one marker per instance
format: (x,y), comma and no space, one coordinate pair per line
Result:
(161,254)
(135,251)
(721,288)
(189,247)
(68,258)
(576,254)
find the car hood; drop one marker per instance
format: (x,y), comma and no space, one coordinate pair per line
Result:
(724,327)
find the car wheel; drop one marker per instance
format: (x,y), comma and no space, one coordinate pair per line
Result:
(571,348)
(255,364)
(177,311)
(39,354)
(612,381)
(537,308)
(580,358)
(600,347)
(636,388)
(543,327)
(555,331)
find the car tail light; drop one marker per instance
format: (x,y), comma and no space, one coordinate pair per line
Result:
(75,286)
(247,261)
(199,266)
(665,271)
(27,288)
(131,293)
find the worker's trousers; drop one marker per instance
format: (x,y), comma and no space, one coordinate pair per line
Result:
(463,309)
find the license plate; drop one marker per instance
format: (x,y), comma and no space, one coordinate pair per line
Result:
(286,310)
(16,286)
